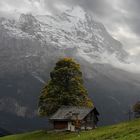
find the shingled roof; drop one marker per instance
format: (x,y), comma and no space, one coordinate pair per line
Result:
(66,112)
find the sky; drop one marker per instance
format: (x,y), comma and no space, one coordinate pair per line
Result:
(120,17)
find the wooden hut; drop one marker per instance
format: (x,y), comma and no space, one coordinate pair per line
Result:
(72,118)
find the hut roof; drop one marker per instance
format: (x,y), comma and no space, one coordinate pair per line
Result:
(67,113)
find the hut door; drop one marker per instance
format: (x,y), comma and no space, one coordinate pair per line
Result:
(71,127)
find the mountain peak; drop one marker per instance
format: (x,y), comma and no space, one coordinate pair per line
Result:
(76,11)
(27,18)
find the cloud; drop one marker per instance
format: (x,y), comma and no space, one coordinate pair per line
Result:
(133,19)
(99,7)
(8,7)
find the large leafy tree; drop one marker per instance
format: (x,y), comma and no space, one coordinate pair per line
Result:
(65,88)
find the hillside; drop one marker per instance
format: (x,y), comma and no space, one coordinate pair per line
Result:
(122,131)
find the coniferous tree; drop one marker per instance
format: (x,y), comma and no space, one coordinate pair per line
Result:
(65,88)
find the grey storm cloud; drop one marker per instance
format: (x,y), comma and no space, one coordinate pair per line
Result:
(133,19)
(99,7)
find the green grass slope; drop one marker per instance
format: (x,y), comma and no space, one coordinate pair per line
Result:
(124,131)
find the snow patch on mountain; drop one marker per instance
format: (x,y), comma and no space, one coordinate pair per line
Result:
(72,33)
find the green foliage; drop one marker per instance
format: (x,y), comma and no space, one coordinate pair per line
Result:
(123,131)
(136,107)
(65,88)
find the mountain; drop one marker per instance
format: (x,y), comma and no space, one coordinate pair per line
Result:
(29,49)
(70,33)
